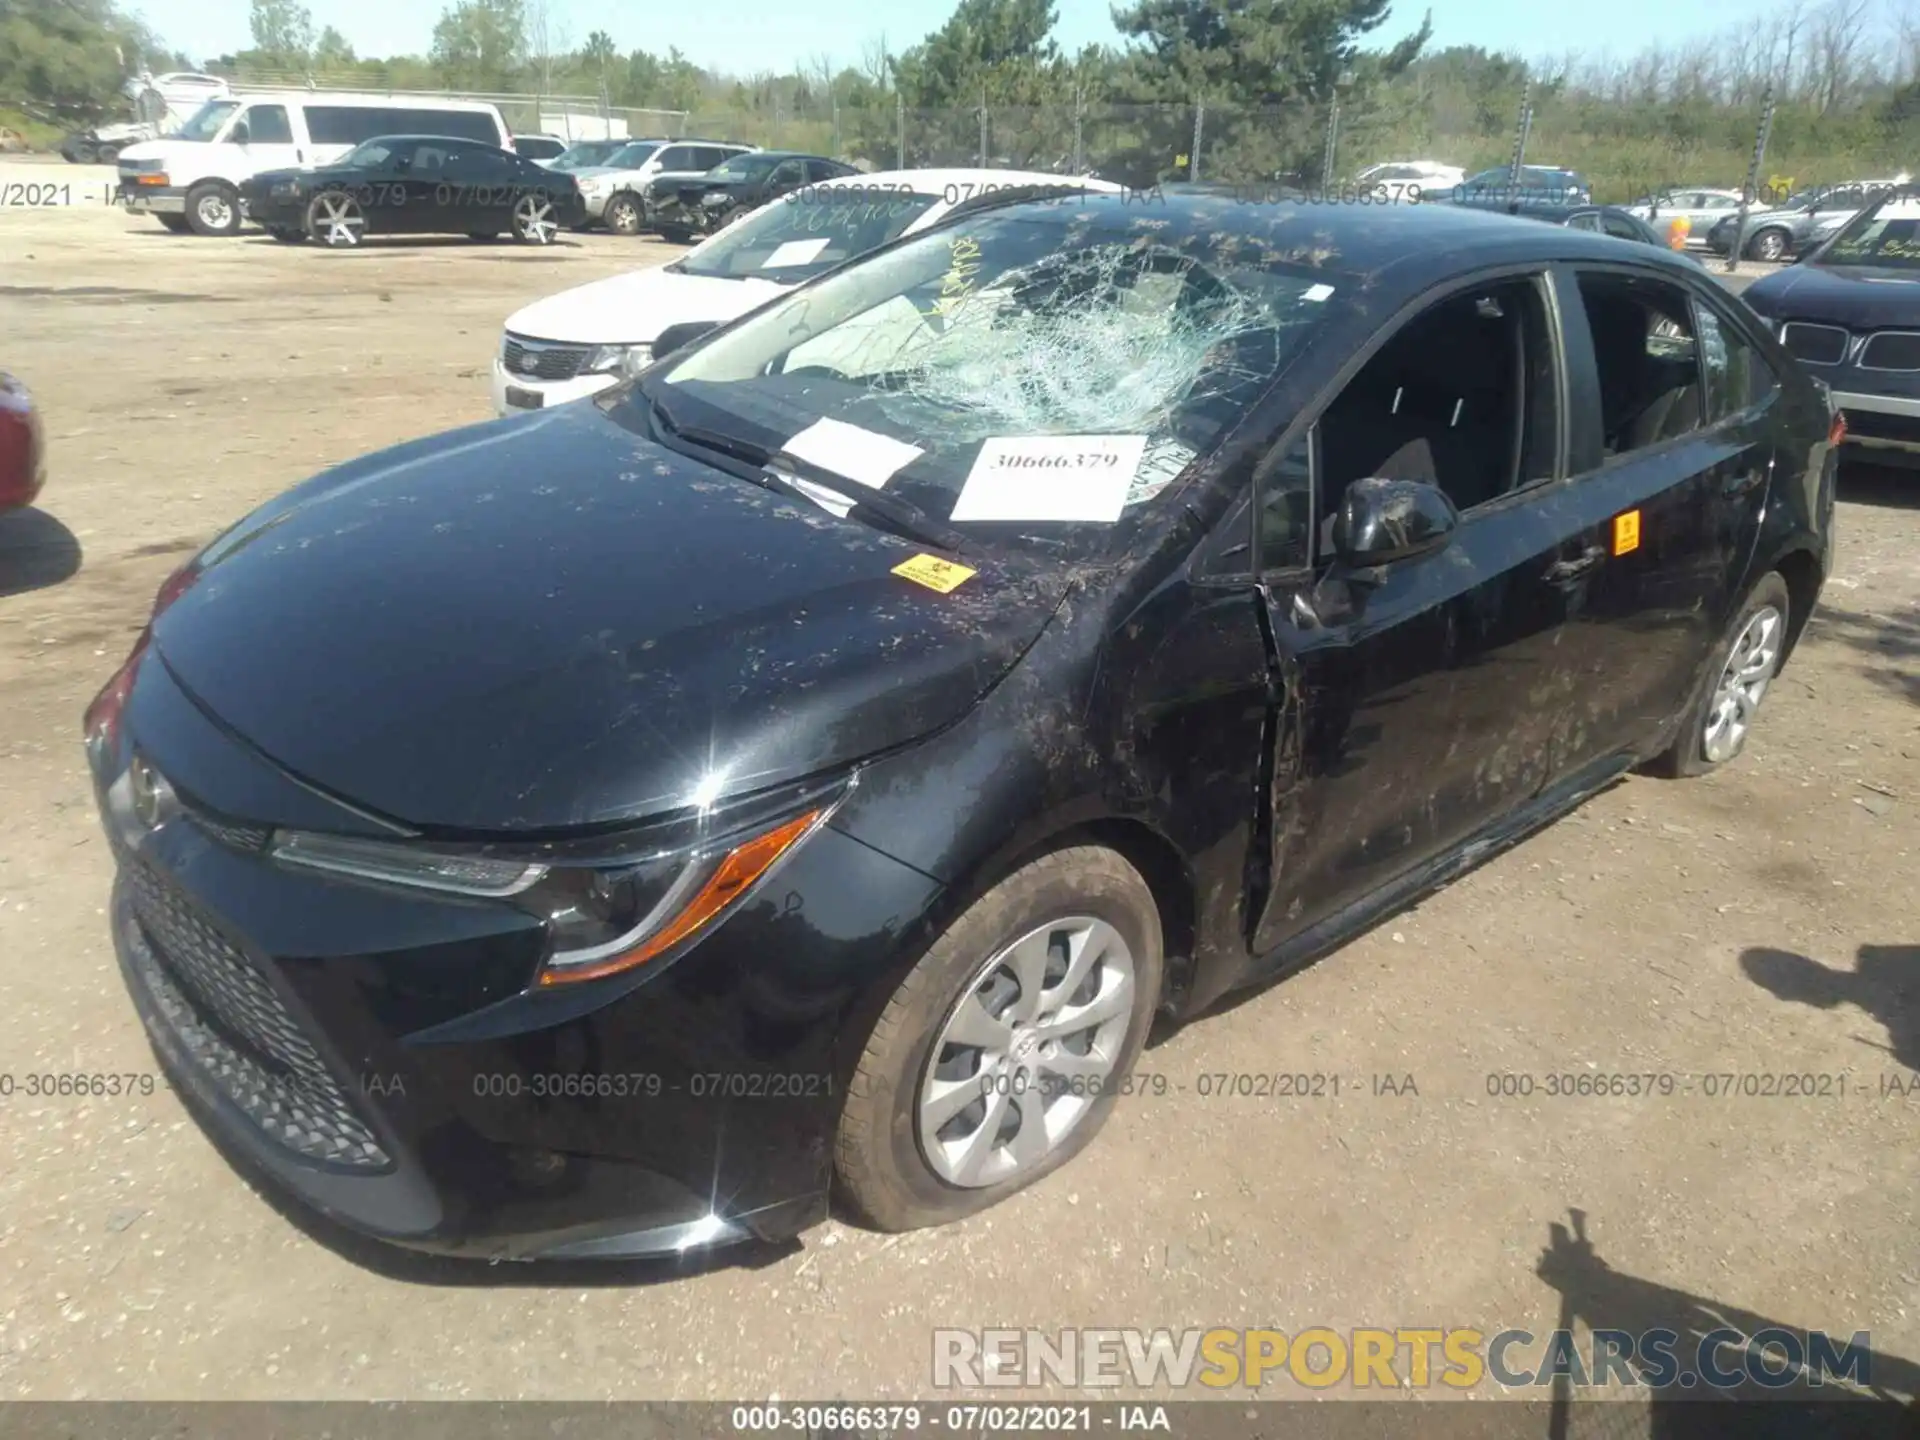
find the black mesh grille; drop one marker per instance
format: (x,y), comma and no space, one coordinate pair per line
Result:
(1814,344)
(230,1020)
(1891,350)
(235,834)
(542,361)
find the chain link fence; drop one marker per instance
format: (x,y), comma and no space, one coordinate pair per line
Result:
(1626,146)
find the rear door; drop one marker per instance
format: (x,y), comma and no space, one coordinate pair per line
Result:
(1423,696)
(1661,510)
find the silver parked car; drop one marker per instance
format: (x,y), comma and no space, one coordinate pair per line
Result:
(616,190)
(1701,207)
(1801,221)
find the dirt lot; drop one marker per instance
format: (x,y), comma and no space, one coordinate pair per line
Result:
(1764,920)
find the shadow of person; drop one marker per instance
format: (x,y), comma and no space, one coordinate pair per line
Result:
(1884,982)
(1713,1352)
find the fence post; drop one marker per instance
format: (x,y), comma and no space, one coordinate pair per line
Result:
(1199,133)
(1520,137)
(1079,120)
(983,128)
(1328,160)
(1753,180)
(900,130)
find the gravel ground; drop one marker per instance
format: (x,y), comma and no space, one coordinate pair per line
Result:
(1764,920)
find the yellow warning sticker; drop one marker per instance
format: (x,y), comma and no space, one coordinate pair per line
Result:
(1626,532)
(934,573)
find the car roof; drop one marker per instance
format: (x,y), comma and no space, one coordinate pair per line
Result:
(430,139)
(937,181)
(1392,247)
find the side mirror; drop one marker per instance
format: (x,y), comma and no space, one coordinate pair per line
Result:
(1382,521)
(678,337)
(240,134)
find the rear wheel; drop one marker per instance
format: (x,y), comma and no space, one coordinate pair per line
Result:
(1768,245)
(1002,1052)
(623,215)
(1721,716)
(213,209)
(82,152)
(106,154)
(335,219)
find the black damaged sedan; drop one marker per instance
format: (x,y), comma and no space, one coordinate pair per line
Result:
(809,768)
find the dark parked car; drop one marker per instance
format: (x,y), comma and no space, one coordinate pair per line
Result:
(414,185)
(1850,312)
(746,182)
(1539,185)
(23,455)
(1607,219)
(818,759)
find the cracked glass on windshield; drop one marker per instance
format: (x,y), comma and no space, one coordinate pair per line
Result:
(1050,368)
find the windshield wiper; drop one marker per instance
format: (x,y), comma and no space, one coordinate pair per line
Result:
(755,463)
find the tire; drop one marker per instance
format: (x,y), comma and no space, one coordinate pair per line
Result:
(107,154)
(176,223)
(1697,749)
(335,220)
(1767,245)
(622,215)
(213,209)
(535,221)
(883,1167)
(82,153)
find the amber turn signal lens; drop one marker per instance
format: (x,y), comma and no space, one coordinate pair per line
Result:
(1837,431)
(744,864)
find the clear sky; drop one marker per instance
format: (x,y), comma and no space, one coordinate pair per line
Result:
(746,36)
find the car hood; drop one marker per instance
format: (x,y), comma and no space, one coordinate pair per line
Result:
(548,622)
(1860,297)
(634,308)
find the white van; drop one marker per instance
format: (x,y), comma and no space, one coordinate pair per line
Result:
(191,179)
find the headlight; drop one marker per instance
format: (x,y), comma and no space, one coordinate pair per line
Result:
(607,907)
(625,361)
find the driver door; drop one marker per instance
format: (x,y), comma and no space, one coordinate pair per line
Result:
(1420,700)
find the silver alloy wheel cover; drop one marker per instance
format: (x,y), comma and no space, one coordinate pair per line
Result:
(215,213)
(533,218)
(628,212)
(338,220)
(1017,1049)
(1743,682)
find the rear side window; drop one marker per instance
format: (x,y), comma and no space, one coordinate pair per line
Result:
(677,157)
(1615,225)
(1648,359)
(268,125)
(343,124)
(1738,376)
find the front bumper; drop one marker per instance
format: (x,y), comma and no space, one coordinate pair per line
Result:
(153,199)
(378,1053)
(593,207)
(508,388)
(1888,425)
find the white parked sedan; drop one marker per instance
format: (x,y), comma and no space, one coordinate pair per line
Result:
(581,341)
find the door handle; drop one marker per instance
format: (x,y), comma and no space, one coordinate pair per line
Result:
(1563,571)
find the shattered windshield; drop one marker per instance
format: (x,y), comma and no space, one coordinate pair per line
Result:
(1045,370)
(806,233)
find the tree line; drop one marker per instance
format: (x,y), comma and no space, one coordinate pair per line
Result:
(1286,86)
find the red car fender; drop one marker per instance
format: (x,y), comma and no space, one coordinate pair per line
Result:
(22,446)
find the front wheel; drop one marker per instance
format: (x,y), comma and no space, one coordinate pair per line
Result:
(1768,245)
(106,154)
(1002,1052)
(335,219)
(534,221)
(623,215)
(213,209)
(1721,716)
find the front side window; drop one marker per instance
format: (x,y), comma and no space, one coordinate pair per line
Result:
(207,120)
(371,155)
(1055,369)
(677,157)
(1648,360)
(1620,226)
(1737,377)
(268,125)
(632,157)
(1464,397)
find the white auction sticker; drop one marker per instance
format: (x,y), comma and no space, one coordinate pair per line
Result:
(1317,293)
(795,252)
(850,451)
(1051,477)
